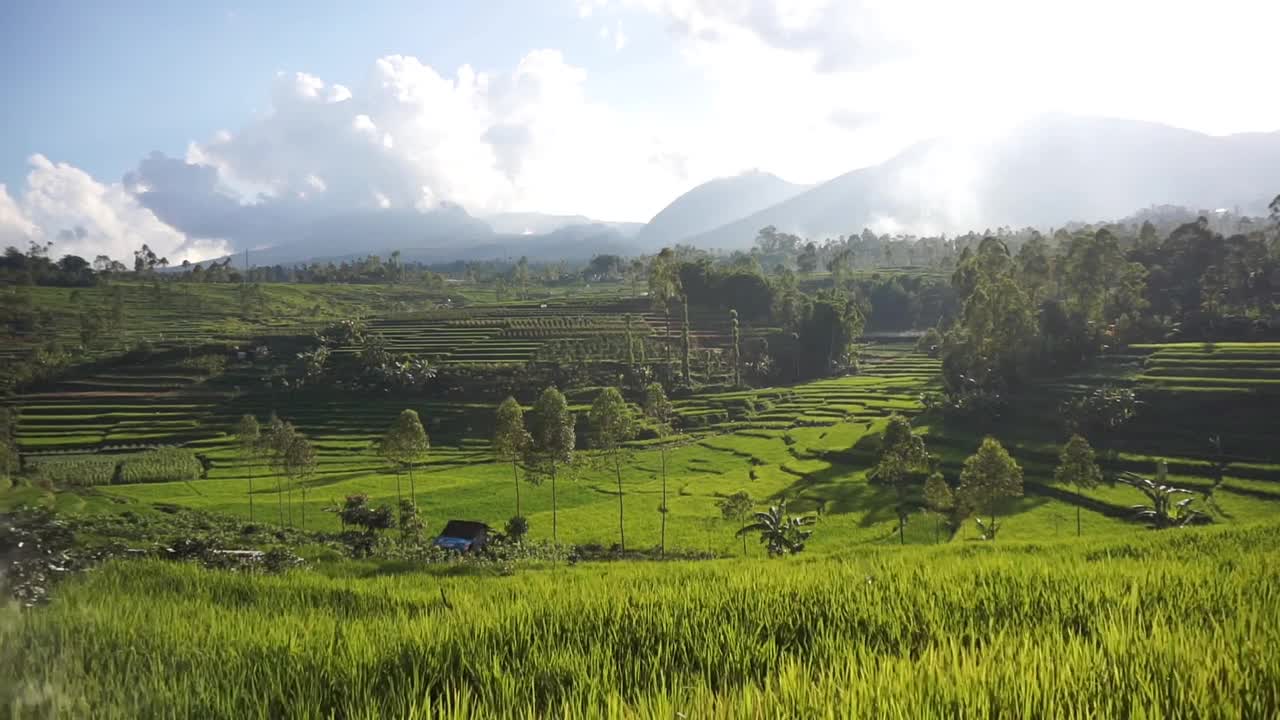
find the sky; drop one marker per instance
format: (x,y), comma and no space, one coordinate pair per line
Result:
(201,128)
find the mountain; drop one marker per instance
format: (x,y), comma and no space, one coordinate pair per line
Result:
(532,223)
(713,204)
(1049,171)
(442,235)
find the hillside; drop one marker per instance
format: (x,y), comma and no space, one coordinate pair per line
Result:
(713,204)
(1048,172)
(534,223)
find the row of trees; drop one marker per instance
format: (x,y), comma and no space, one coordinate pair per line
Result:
(991,474)
(542,447)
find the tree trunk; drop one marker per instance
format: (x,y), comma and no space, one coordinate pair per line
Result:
(413,489)
(304,508)
(663,454)
(555,532)
(902,525)
(250,492)
(622,532)
(1077,520)
(280,499)
(515,473)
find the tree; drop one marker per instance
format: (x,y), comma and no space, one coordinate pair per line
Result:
(658,409)
(8,453)
(411,524)
(807,262)
(276,441)
(685,344)
(520,277)
(551,427)
(511,440)
(781,533)
(989,475)
(902,454)
(357,511)
(1076,466)
(938,498)
(737,507)
(404,444)
(737,348)
(1101,410)
(249,435)
(631,344)
(664,287)
(1165,510)
(299,461)
(612,424)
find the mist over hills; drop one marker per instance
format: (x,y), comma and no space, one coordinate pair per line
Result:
(1045,173)
(533,223)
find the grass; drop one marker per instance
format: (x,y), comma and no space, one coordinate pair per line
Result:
(1175,624)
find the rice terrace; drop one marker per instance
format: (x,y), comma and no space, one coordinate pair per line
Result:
(478,379)
(805,506)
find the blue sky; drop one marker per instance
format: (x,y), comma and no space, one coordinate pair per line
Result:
(203,127)
(101,84)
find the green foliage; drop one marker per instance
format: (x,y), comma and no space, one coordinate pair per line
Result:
(1076,466)
(411,522)
(405,443)
(737,508)
(613,423)
(902,454)
(611,420)
(554,441)
(1100,410)
(249,436)
(1166,509)
(516,528)
(989,475)
(948,631)
(511,441)
(781,533)
(358,512)
(989,346)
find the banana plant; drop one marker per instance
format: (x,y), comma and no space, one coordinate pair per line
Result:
(782,534)
(1165,510)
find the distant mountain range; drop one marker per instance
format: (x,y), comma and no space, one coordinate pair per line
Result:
(713,204)
(1048,172)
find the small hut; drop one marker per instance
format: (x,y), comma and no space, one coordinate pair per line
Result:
(463,536)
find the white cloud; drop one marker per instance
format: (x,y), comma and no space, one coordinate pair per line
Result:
(411,138)
(1167,61)
(81,216)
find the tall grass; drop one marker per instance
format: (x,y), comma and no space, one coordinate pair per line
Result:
(1180,624)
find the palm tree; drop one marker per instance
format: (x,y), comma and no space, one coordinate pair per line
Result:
(1165,511)
(782,534)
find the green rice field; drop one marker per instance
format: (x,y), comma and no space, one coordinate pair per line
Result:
(1178,625)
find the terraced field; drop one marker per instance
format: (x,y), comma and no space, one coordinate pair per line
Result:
(177,315)
(811,442)
(553,331)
